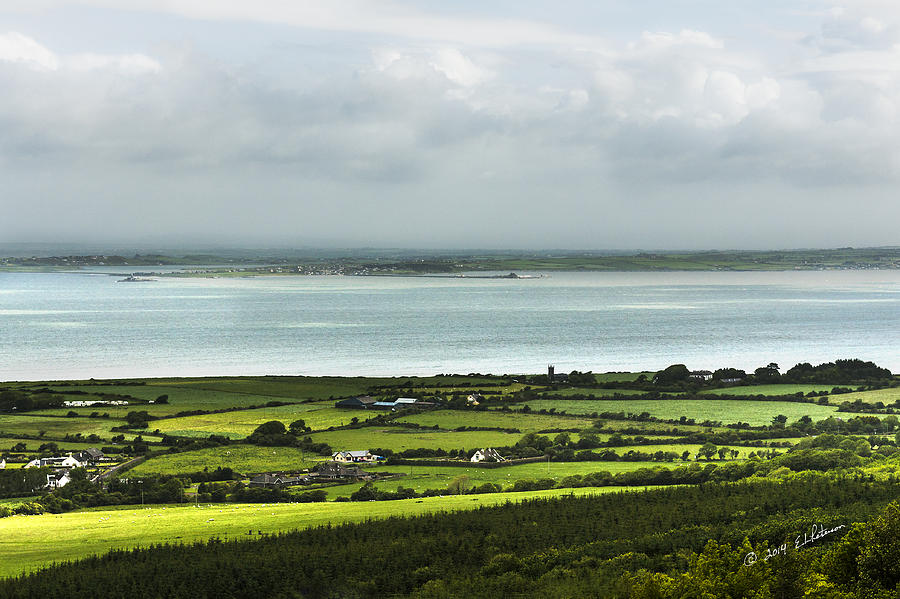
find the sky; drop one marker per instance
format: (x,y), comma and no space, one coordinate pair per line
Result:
(653,124)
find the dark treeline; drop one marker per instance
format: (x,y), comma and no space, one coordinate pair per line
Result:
(81,493)
(19,482)
(779,427)
(26,400)
(252,495)
(678,378)
(12,400)
(538,548)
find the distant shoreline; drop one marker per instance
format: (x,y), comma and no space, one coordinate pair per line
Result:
(410,263)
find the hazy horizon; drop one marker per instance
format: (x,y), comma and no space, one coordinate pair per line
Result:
(46,249)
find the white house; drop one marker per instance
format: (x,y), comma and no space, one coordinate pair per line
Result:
(487,454)
(55,481)
(60,462)
(2,464)
(354,456)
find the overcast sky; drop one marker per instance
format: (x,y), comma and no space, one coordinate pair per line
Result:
(596,124)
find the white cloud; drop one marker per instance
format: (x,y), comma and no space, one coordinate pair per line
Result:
(17,48)
(449,63)
(356,16)
(686,37)
(21,49)
(458,68)
(126,63)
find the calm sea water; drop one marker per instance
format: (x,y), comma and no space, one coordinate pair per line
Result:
(88,325)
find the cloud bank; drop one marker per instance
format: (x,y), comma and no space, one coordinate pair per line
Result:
(405,128)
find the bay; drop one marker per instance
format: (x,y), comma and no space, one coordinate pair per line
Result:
(83,325)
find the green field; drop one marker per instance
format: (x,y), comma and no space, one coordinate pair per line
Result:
(422,478)
(595,392)
(181,399)
(318,416)
(33,444)
(30,542)
(608,377)
(756,413)
(779,389)
(492,389)
(398,439)
(886,396)
(241,458)
(658,428)
(450,380)
(451,419)
(14,501)
(296,388)
(31,424)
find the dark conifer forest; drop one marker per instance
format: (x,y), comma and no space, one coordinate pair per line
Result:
(674,542)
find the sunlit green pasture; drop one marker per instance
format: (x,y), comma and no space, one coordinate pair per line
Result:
(32,445)
(451,419)
(422,478)
(777,389)
(31,424)
(656,428)
(756,413)
(398,439)
(886,396)
(14,501)
(239,424)
(241,458)
(295,388)
(30,542)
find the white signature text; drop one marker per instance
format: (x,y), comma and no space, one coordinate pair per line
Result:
(818,531)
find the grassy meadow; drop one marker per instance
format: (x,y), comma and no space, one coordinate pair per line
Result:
(52,427)
(32,445)
(777,389)
(296,388)
(423,478)
(569,391)
(181,399)
(886,396)
(527,423)
(756,413)
(237,425)
(241,458)
(399,439)
(609,377)
(31,542)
